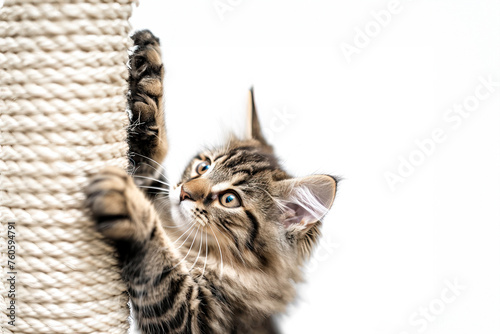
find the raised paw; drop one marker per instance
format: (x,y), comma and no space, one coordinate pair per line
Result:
(147,133)
(120,210)
(146,80)
(146,67)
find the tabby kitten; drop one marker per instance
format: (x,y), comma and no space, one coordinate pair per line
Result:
(221,251)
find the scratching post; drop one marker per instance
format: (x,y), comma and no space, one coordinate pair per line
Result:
(62,118)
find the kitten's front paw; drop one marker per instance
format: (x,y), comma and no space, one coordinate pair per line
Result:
(146,83)
(120,210)
(147,133)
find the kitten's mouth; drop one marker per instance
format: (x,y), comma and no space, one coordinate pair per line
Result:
(185,214)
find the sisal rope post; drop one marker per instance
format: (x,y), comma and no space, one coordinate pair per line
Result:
(62,118)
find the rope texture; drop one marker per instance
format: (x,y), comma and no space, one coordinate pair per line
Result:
(62,118)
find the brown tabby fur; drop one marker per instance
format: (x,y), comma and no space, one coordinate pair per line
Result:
(240,267)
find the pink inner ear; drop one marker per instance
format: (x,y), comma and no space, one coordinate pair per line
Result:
(303,207)
(291,215)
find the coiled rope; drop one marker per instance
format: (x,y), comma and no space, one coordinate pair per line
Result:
(62,118)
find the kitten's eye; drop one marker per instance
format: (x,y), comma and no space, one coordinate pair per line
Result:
(202,167)
(230,200)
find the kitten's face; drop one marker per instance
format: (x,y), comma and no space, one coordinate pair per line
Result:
(228,194)
(238,198)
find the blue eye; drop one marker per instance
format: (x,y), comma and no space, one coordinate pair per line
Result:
(202,167)
(230,200)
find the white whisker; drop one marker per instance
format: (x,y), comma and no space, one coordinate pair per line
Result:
(187,253)
(161,166)
(151,178)
(239,252)
(206,253)
(199,251)
(176,226)
(220,251)
(161,189)
(193,224)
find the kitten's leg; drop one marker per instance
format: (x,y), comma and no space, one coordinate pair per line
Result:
(147,133)
(164,295)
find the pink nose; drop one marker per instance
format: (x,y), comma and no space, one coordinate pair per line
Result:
(195,190)
(185,195)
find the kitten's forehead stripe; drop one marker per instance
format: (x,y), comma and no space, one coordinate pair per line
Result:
(234,160)
(239,181)
(250,161)
(248,148)
(220,156)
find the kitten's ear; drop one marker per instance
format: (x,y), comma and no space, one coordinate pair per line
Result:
(254,130)
(306,200)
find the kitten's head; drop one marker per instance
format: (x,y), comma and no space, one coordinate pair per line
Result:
(243,201)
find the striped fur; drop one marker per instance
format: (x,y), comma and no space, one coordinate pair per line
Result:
(192,264)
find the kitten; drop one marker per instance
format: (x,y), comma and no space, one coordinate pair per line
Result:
(221,251)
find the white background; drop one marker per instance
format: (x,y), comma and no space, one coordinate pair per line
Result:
(389,252)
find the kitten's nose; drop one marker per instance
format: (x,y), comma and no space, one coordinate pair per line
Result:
(185,195)
(195,190)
